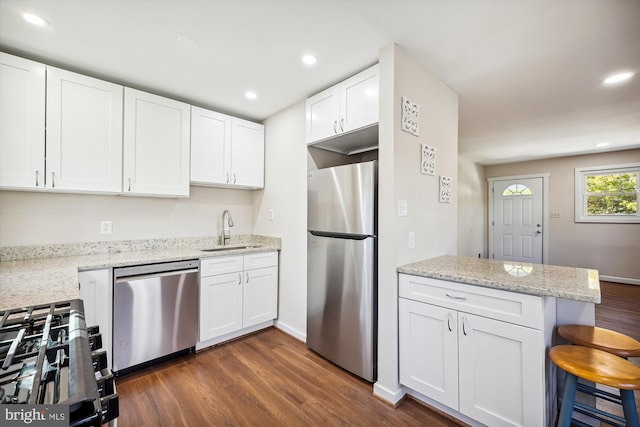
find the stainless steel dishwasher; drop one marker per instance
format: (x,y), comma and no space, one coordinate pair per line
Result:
(155,312)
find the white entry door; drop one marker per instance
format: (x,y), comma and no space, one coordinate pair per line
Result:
(517,220)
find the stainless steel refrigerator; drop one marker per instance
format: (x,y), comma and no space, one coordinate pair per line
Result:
(342,266)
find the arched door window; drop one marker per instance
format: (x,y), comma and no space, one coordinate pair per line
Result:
(517,190)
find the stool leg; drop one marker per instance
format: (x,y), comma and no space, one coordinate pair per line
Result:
(568,399)
(629,408)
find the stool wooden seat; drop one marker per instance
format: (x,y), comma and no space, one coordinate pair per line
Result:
(602,339)
(599,367)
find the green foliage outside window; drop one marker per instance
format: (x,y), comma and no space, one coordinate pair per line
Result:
(614,194)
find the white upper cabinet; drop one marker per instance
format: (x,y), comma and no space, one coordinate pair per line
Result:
(226,151)
(323,114)
(156,145)
(359,104)
(84,133)
(22,122)
(247,153)
(348,106)
(210,147)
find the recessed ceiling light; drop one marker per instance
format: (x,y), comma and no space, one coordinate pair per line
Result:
(309,59)
(603,144)
(618,78)
(250,95)
(35,19)
(187,42)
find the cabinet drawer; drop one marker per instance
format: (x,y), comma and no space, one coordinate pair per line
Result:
(220,265)
(260,260)
(512,307)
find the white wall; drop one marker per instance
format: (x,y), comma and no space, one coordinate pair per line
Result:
(434,223)
(286,193)
(472,212)
(28,218)
(612,249)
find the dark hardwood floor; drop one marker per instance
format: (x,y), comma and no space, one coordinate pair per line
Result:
(619,310)
(266,379)
(271,379)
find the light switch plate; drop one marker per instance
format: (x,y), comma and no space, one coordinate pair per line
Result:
(555,214)
(412,240)
(403,209)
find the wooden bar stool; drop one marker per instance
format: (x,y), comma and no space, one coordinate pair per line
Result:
(599,367)
(602,339)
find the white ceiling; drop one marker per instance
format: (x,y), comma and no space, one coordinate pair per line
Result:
(528,73)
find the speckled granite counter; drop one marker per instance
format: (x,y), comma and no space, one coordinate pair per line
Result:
(578,284)
(48,276)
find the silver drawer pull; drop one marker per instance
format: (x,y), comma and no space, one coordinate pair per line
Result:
(457,298)
(450,322)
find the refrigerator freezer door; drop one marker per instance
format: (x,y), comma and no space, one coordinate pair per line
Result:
(342,199)
(341,302)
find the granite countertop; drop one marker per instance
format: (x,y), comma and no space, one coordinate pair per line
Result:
(580,284)
(44,279)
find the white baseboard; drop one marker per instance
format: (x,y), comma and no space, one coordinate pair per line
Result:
(233,335)
(620,280)
(385,393)
(291,331)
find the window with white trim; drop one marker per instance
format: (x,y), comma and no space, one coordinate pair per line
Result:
(608,193)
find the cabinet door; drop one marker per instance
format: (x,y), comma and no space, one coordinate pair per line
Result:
(247,153)
(210,147)
(429,350)
(323,113)
(22,106)
(220,305)
(260,297)
(501,372)
(84,133)
(96,292)
(359,104)
(156,145)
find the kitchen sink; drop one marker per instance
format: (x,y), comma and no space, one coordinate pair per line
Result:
(227,248)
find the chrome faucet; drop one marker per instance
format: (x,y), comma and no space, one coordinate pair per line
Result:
(227,223)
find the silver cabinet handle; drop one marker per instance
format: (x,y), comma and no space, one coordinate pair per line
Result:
(464,327)
(342,124)
(239,278)
(234,177)
(37,176)
(450,322)
(457,298)
(53,180)
(247,276)
(129,185)
(335,126)
(538,232)
(227,177)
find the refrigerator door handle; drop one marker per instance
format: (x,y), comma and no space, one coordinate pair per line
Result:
(339,235)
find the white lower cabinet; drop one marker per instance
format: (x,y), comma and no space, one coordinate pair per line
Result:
(237,293)
(96,292)
(488,367)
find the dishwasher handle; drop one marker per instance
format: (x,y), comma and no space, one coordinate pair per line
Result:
(155,275)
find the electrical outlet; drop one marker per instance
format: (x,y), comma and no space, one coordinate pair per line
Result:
(403,209)
(270,214)
(412,240)
(106,227)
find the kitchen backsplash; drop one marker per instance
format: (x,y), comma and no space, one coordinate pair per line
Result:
(15,253)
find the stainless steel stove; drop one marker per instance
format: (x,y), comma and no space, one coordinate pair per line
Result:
(48,356)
